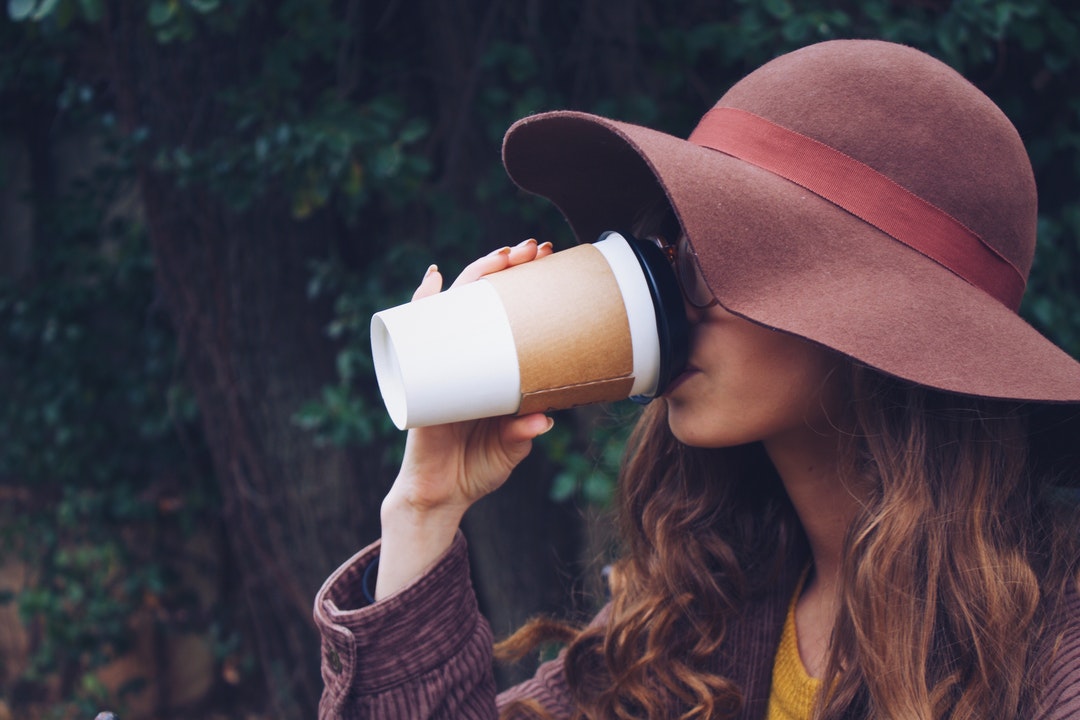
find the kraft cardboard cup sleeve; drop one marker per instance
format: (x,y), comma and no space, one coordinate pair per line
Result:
(595,323)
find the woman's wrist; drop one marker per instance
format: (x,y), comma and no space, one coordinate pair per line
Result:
(413,539)
(401,515)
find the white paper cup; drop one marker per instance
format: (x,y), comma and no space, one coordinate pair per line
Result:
(594,323)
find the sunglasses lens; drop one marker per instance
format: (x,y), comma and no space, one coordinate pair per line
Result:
(693,282)
(685,263)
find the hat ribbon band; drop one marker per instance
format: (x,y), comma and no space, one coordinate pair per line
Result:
(865,193)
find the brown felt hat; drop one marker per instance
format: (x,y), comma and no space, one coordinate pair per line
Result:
(857,193)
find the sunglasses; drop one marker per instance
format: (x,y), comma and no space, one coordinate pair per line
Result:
(687,269)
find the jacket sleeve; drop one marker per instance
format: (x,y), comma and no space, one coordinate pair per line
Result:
(422,654)
(1061,691)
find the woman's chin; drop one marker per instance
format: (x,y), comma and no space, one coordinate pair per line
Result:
(685,428)
(703,430)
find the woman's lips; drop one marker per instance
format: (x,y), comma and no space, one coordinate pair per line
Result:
(680,379)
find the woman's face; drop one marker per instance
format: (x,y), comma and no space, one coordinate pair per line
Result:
(745,383)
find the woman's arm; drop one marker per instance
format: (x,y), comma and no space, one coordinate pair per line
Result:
(424,652)
(414,644)
(447,468)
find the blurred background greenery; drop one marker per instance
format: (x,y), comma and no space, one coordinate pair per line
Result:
(201,204)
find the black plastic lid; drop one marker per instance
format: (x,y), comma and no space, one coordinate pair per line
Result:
(672,326)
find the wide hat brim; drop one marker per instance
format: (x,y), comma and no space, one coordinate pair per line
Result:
(784,257)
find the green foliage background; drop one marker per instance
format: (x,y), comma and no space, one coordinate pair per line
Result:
(103,472)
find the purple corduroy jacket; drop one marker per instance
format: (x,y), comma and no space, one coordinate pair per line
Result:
(426,652)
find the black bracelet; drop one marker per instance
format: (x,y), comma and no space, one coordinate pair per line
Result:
(365,582)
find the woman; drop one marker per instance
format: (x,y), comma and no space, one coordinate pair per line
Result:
(855,502)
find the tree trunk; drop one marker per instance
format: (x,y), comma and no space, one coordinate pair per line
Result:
(256,350)
(523,546)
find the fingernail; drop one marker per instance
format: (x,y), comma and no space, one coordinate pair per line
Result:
(523,243)
(545,245)
(504,250)
(550,424)
(432,269)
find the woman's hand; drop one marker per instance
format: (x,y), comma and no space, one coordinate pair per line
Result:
(447,468)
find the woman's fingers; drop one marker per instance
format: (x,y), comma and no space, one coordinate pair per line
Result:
(493,262)
(509,444)
(504,257)
(430,285)
(525,251)
(525,428)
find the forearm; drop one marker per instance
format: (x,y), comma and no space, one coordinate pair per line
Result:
(423,654)
(413,539)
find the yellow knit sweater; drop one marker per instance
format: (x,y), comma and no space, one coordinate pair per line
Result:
(793,690)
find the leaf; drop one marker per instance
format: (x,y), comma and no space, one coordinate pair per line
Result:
(19,10)
(311,415)
(45,8)
(92,10)
(354,179)
(413,131)
(204,7)
(28,10)
(160,13)
(563,487)
(779,9)
(598,489)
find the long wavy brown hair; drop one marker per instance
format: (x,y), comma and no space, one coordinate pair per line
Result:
(949,582)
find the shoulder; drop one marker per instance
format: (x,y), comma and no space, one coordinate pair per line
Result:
(1061,690)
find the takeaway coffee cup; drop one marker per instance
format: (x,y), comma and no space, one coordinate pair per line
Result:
(594,323)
